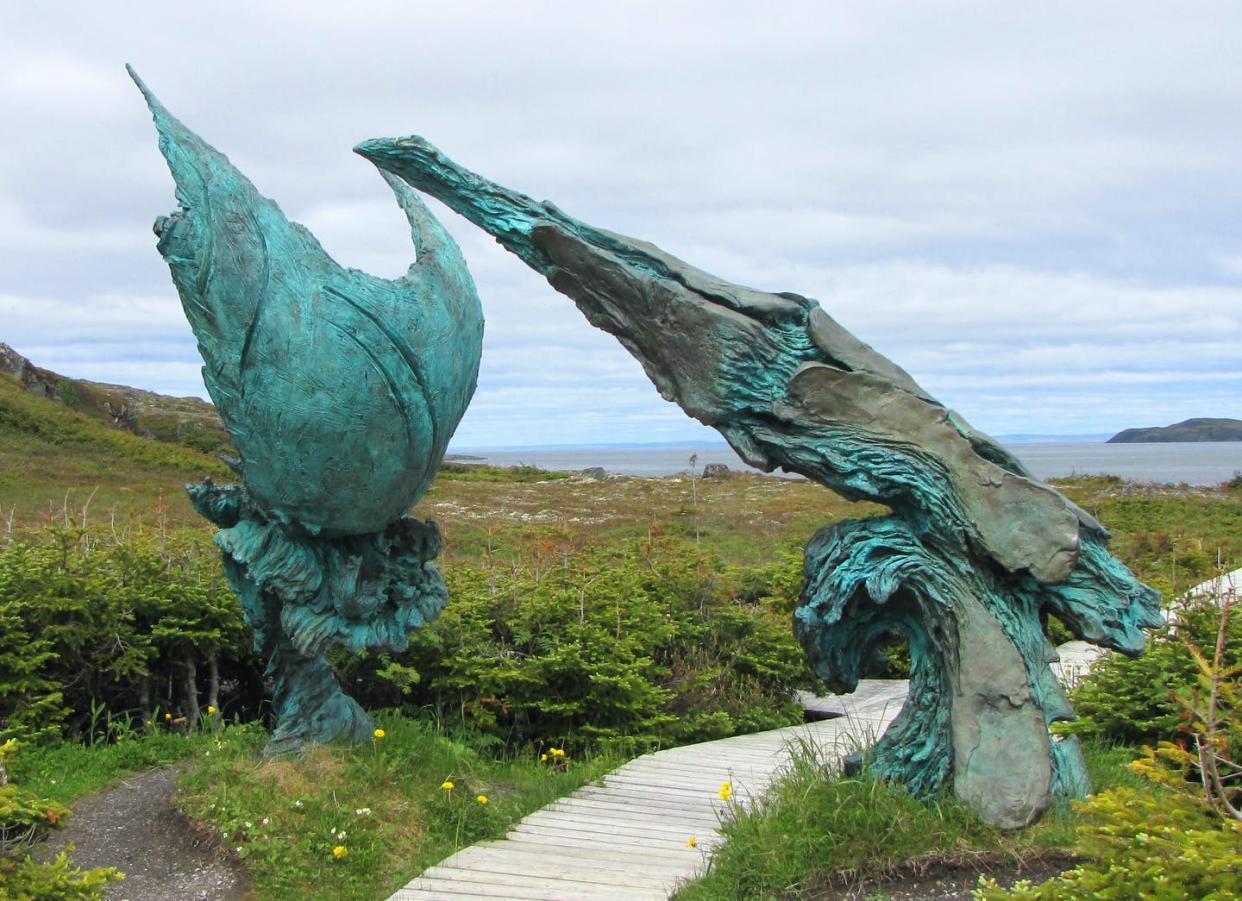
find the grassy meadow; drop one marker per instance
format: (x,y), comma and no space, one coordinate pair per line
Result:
(56,463)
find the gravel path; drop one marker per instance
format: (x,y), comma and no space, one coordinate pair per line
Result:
(136,828)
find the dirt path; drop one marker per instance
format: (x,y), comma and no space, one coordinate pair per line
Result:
(135,828)
(948,880)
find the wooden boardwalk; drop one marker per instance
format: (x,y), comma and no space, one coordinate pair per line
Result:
(626,837)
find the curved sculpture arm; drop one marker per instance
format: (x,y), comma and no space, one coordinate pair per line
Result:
(757,366)
(975,553)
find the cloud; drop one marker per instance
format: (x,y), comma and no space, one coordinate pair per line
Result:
(1031,209)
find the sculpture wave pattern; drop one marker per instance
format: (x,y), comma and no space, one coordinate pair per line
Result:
(974,554)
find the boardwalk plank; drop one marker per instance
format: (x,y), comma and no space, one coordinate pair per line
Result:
(614,836)
(673,854)
(442,874)
(592,822)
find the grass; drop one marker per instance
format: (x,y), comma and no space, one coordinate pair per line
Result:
(481,472)
(748,519)
(1173,537)
(817,831)
(383,804)
(58,464)
(70,771)
(53,459)
(54,462)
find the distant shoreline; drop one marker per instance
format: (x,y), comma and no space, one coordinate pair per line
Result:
(1197,463)
(476,452)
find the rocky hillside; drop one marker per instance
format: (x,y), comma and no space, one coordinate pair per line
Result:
(187,421)
(1190,430)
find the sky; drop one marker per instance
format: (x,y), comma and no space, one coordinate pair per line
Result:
(1035,209)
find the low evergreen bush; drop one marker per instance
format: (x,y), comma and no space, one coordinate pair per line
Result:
(102,635)
(1136,700)
(25,818)
(642,643)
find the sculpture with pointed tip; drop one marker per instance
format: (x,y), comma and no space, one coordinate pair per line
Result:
(975,553)
(340,391)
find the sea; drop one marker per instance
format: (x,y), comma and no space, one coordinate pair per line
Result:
(1191,463)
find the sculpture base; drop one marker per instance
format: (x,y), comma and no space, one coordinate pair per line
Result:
(302,593)
(311,709)
(982,696)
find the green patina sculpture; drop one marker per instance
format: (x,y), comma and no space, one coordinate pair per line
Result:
(973,556)
(340,392)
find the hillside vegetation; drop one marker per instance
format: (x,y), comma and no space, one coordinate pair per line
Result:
(1188,430)
(188,421)
(50,452)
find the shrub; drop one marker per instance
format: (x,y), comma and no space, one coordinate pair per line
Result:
(1141,845)
(1135,700)
(98,632)
(25,818)
(644,644)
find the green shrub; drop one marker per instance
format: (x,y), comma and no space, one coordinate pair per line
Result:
(640,643)
(95,630)
(24,819)
(1135,700)
(643,644)
(57,880)
(1141,845)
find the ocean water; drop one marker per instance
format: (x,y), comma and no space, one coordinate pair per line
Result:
(1198,463)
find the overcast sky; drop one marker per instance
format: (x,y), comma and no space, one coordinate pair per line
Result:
(1035,209)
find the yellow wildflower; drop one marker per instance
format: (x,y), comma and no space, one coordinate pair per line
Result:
(378,734)
(339,852)
(210,710)
(691,842)
(168,716)
(482,799)
(726,791)
(447,785)
(543,758)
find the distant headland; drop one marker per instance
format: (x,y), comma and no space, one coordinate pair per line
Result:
(1190,430)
